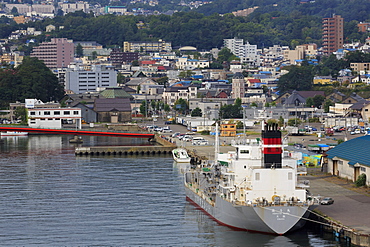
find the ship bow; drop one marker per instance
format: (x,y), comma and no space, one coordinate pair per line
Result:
(281,219)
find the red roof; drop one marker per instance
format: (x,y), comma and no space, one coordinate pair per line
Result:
(161,68)
(148,62)
(254,80)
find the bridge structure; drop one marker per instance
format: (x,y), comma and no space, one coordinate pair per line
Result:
(77,132)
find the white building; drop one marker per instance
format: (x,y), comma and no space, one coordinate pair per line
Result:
(81,81)
(184,63)
(236,46)
(53,118)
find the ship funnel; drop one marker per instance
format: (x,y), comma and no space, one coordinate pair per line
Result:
(272,148)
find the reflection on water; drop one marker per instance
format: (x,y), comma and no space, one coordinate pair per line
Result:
(50,197)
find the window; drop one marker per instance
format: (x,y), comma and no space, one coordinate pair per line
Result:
(32,113)
(46,113)
(66,113)
(290,176)
(75,112)
(57,113)
(244,151)
(257,176)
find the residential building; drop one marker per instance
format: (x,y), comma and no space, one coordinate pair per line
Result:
(117,10)
(79,80)
(73,7)
(358,67)
(58,53)
(363,27)
(172,94)
(228,130)
(184,63)
(332,34)
(147,46)
(118,57)
(236,46)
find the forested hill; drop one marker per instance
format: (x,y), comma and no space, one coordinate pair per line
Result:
(349,9)
(286,23)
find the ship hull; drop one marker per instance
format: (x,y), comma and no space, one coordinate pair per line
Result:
(268,219)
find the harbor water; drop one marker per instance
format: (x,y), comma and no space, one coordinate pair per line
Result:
(50,197)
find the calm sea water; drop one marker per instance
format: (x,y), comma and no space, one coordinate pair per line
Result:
(50,197)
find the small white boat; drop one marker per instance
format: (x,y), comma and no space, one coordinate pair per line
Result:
(180,155)
(13,133)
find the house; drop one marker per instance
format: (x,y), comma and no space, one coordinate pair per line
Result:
(350,159)
(298,98)
(141,84)
(336,96)
(114,110)
(228,130)
(353,98)
(361,109)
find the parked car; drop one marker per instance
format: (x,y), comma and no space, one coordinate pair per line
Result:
(176,134)
(166,129)
(187,138)
(200,141)
(327,201)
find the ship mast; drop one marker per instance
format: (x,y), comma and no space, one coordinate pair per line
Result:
(217,147)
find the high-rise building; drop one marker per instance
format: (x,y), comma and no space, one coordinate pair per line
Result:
(58,53)
(332,34)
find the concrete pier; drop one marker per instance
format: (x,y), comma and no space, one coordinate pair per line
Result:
(122,150)
(164,147)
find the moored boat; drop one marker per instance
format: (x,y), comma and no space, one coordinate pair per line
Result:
(180,155)
(253,188)
(13,133)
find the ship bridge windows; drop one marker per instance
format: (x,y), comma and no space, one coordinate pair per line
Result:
(244,151)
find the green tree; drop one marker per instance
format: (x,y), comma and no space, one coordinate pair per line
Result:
(225,55)
(166,108)
(318,101)
(181,105)
(231,111)
(294,122)
(79,50)
(327,104)
(299,78)
(309,102)
(186,74)
(162,81)
(94,55)
(197,112)
(144,108)
(38,82)
(21,113)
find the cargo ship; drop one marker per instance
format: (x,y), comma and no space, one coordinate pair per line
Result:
(254,188)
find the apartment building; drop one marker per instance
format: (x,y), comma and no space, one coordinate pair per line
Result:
(147,46)
(332,34)
(79,80)
(58,53)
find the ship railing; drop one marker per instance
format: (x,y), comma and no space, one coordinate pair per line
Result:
(272,204)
